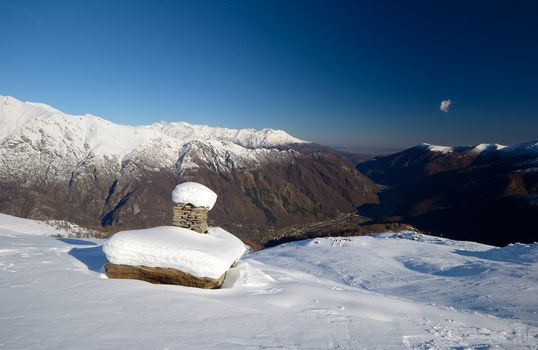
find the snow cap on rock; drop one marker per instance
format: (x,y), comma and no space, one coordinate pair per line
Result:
(209,255)
(195,194)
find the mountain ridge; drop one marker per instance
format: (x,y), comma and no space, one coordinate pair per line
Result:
(15,115)
(485,192)
(103,174)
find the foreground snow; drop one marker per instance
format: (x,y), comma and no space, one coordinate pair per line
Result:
(11,225)
(388,292)
(201,255)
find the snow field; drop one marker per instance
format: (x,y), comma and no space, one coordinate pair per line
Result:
(394,291)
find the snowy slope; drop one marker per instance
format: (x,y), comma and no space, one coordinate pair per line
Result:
(15,114)
(19,226)
(397,291)
(523,149)
(483,147)
(36,138)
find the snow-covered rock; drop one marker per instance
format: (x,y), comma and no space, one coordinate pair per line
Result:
(201,255)
(195,194)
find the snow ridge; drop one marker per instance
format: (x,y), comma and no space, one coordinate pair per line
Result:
(526,148)
(35,136)
(523,148)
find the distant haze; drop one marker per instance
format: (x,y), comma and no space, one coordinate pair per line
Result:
(349,74)
(373,151)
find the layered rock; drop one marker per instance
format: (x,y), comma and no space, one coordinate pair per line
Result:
(191,217)
(193,201)
(160,275)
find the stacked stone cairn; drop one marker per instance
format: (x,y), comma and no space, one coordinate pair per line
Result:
(192,202)
(189,216)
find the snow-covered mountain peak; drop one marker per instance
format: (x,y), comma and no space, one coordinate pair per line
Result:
(435,148)
(34,108)
(486,147)
(39,136)
(246,137)
(441,149)
(15,114)
(480,148)
(43,106)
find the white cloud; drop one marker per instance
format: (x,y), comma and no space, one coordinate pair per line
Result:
(445,105)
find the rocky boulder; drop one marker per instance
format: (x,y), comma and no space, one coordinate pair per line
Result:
(173,255)
(160,275)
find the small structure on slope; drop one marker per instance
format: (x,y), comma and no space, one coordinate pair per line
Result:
(177,254)
(193,201)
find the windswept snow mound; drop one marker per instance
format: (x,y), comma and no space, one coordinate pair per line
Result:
(195,194)
(11,225)
(201,255)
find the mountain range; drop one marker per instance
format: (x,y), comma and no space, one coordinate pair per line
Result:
(96,173)
(272,187)
(487,193)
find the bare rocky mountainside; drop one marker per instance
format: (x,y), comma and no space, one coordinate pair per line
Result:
(98,174)
(486,193)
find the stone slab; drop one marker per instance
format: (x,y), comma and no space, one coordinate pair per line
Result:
(159,275)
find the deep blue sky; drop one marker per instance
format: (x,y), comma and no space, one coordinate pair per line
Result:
(339,73)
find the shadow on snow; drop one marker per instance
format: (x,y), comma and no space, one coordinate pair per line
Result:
(93,257)
(75,241)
